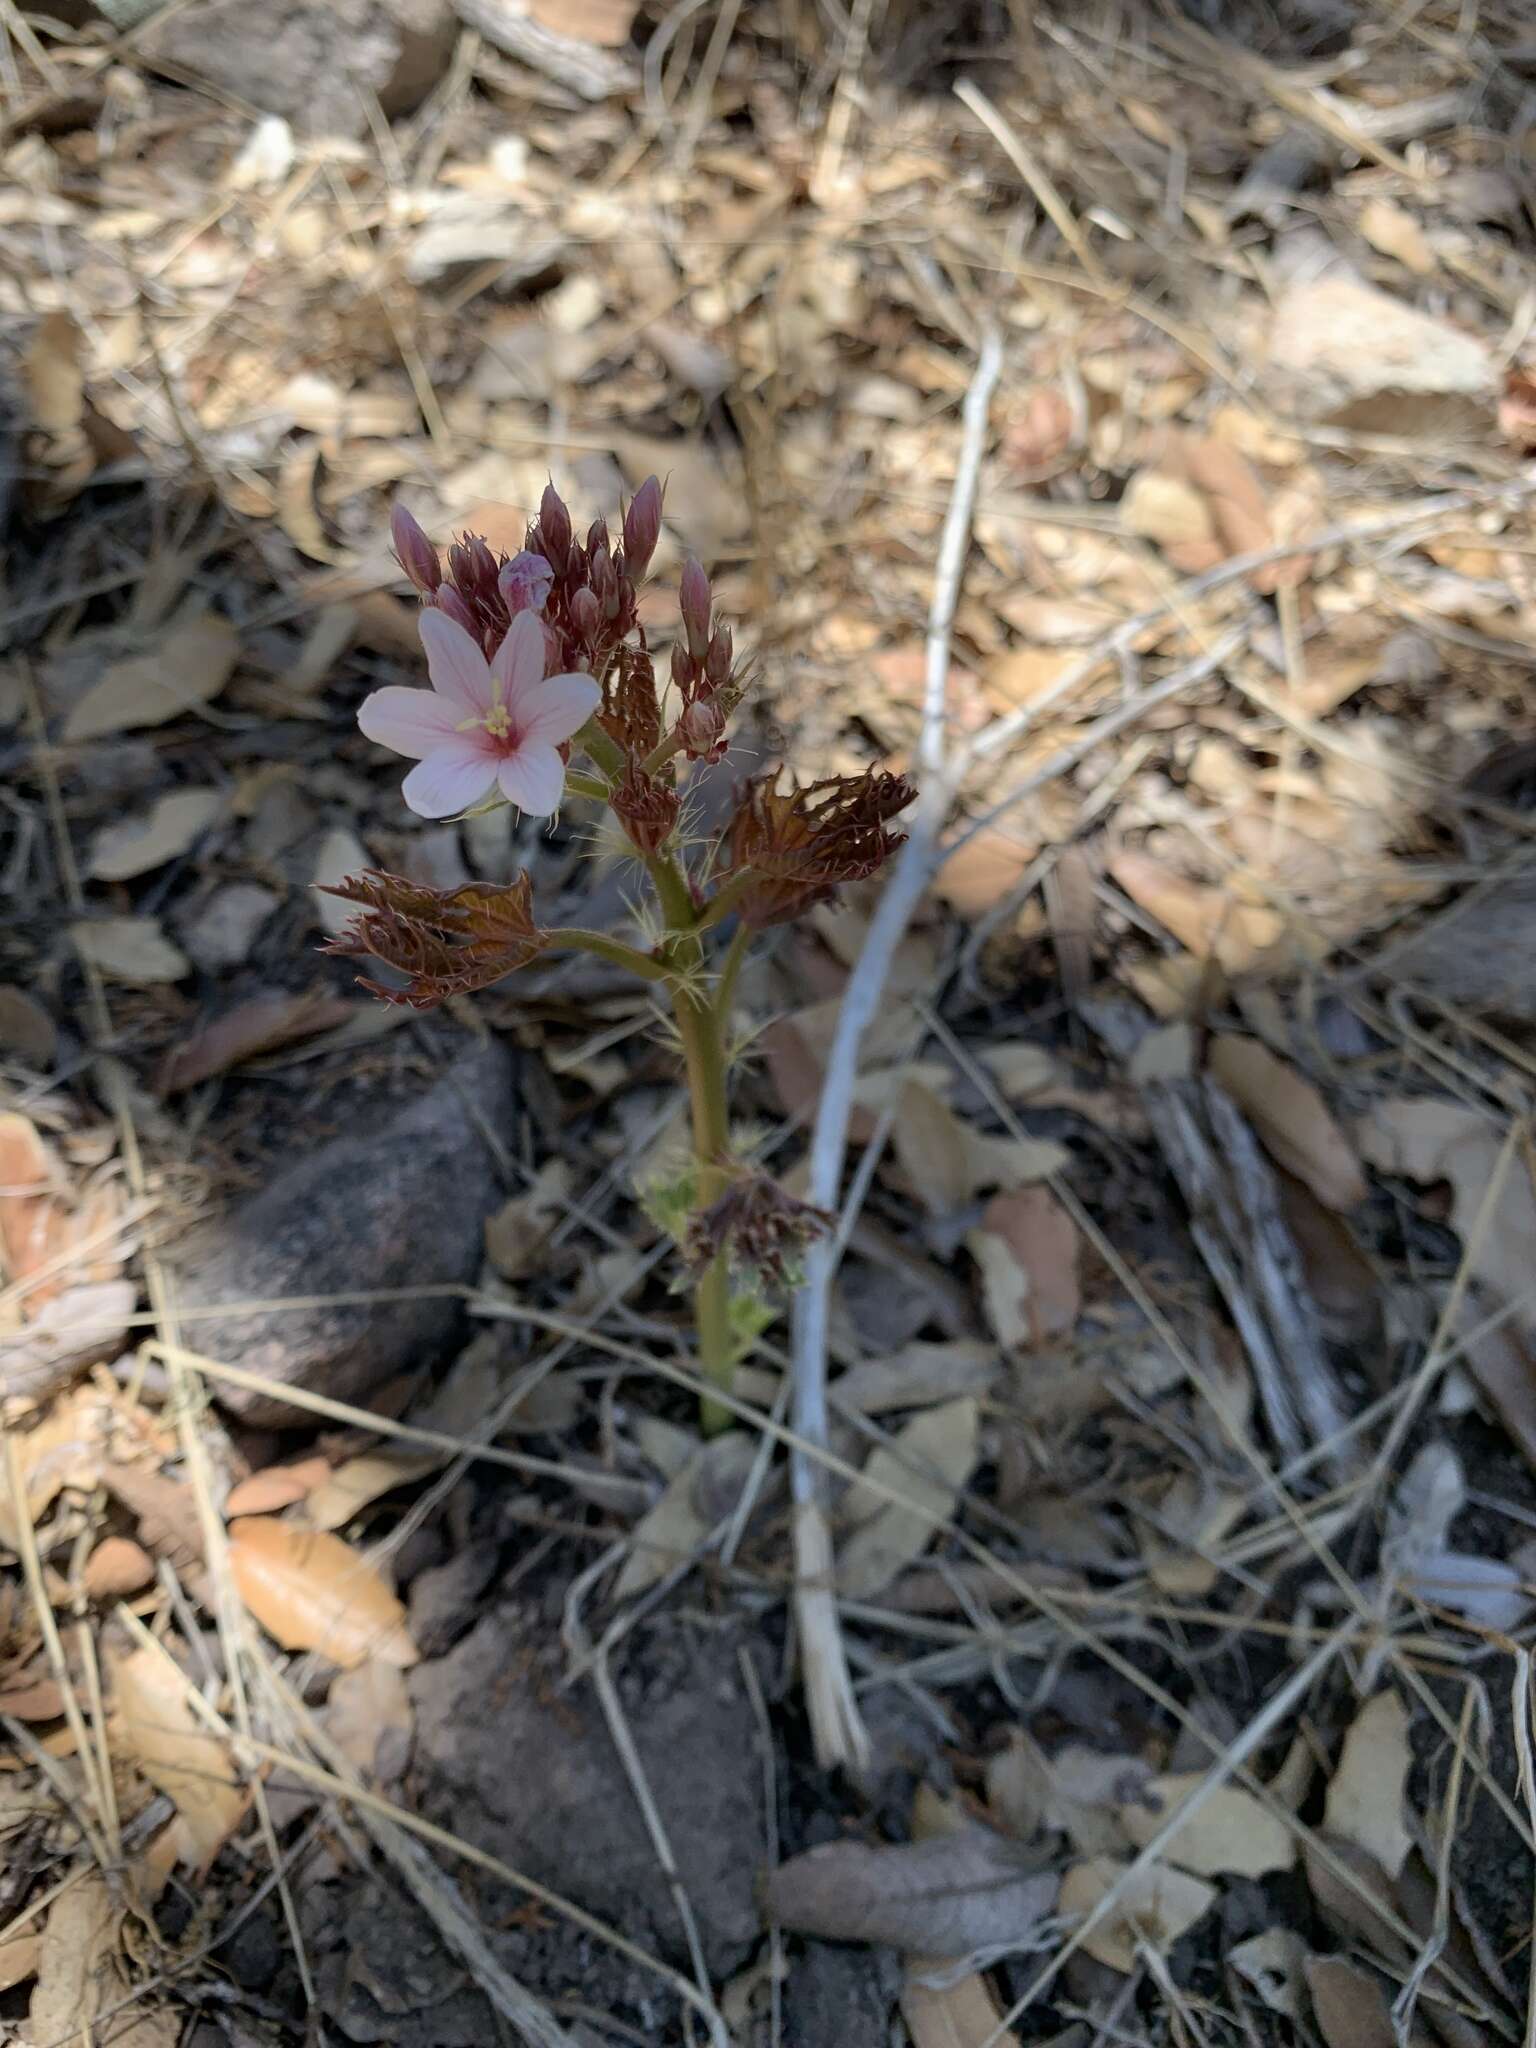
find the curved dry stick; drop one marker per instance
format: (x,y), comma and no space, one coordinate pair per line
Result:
(836,1727)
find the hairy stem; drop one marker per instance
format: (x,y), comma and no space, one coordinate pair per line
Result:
(577,939)
(699,1026)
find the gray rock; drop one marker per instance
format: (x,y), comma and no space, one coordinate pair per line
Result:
(402,1205)
(840,1997)
(1347,355)
(312,61)
(221,933)
(530,1774)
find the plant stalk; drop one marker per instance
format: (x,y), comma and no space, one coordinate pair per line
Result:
(699,1025)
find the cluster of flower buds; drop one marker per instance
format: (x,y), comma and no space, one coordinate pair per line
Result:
(447,942)
(796,847)
(701,670)
(761,1226)
(583,590)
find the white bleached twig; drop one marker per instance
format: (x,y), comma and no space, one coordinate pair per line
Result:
(836,1726)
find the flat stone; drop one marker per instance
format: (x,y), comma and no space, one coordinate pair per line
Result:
(402,1205)
(1345,355)
(222,932)
(312,61)
(528,1771)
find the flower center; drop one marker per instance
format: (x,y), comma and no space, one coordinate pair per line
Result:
(497,723)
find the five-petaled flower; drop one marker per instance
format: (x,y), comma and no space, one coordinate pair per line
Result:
(484,725)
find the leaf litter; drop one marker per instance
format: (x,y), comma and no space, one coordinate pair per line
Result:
(1310,860)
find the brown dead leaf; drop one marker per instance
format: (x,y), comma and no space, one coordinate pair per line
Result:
(1154,1909)
(1019,675)
(133,846)
(261,1024)
(515,1235)
(32,1698)
(1210,923)
(167,1514)
(605,22)
(188,665)
(977,876)
(952,2014)
(65,1447)
(116,1567)
(82,1973)
(367,1477)
(312,1591)
(1349,2004)
(1398,235)
(368,1717)
(1426,1139)
(1290,1118)
(1232,1834)
(947,1896)
(161,1733)
(926,1464)
(703,1488)
(54,376)
(276,1487)
(26,1027)
(1027,1248)
(1367,1791)
(931,1143)
(19,1955)
(297,512)
(32,1186)
(130,949)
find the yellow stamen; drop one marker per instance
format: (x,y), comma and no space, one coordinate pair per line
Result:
(497,723)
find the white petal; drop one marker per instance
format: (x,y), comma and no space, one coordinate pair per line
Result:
(450,779)
(533,778)
(518,663)
(558,707)
(458,669)
(412,722)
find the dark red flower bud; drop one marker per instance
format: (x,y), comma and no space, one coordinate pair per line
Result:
(414,552)
(554,532)
(717,660)
(758,1224)
(524,583)
(684,674)
(701,728)
(647,807)
(694,599)
(585,616)
(642,526)
(597,537)
(448,600)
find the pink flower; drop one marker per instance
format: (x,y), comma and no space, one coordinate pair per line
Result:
(483,724)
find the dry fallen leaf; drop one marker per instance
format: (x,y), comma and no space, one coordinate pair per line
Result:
(1027,1249)
(1396,233)
(1349,2005)
(927,1463)
(1367,1791)
(932,1145)
(690,1506)
(357,1481)
(1233,1833)
(1153,1910)
(19,1955)
(66,1447)
(276,1487)
(26,1027)
(368,1716)
(261,1024)
(187,667)
(1290,1118)
(1077,1792)
(170,1524)
(958,2014)
(116,1567)
(1272,1963)
(1425,1139)
(82,1974)
(947,1896)
(312,1591)
(159,1731)
(130,949)
(1210,923)
(135,845)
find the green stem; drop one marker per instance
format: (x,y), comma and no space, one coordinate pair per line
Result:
(726,898)
(575,938)
(587,785)
(699,1027)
